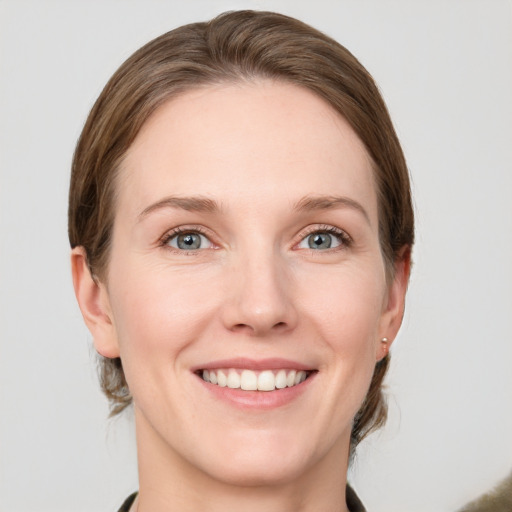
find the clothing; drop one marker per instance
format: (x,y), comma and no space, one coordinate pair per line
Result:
(353,502)
(128,502)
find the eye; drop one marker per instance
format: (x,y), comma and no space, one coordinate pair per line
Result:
(319,241)
(324,239)
(188,241)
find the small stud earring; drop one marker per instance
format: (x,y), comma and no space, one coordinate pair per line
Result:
(384,340)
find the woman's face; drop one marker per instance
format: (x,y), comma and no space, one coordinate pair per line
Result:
(246,248)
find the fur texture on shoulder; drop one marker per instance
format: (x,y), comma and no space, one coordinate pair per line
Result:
(498,500)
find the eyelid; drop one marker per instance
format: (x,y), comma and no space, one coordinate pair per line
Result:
(344,237)
(188,228)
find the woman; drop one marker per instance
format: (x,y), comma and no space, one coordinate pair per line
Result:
(241,225)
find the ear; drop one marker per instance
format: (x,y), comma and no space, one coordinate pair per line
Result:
(394,306)
(93,300)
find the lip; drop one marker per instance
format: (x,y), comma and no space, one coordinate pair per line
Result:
(255,400)
(240,363)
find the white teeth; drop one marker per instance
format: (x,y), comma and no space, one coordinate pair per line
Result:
(300,377)
(233,381)
(281,379)
(266,381)
(222,380)
(248,380)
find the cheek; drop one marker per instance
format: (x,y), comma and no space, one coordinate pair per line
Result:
(157,312)
(343,317)
(345,305)
(159,315)
(346,315)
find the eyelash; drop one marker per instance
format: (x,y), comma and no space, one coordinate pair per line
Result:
(344,239)
(164,241)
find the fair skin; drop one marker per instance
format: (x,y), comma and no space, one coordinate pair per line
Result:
(277,267)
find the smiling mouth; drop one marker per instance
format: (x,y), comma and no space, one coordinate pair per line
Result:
(249,380)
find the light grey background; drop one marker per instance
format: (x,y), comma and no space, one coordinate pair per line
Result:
(445,69)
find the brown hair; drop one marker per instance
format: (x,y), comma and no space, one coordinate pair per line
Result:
(232,47)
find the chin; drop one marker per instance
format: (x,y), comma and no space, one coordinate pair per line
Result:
(269,459)
(258,473)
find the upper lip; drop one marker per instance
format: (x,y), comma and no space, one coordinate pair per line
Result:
(243,363)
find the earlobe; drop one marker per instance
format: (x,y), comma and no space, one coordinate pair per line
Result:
(393,313)
(94,304)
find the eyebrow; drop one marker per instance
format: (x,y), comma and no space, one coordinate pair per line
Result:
(191,204)
(204,204)
(313,203)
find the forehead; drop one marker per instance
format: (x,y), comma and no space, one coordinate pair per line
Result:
(244,140)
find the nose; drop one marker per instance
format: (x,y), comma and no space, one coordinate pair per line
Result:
(260,299)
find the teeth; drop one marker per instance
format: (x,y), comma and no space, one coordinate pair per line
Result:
(267,380)
(281,379)
(222,379)
(248,381)
(233,379)
(300,377)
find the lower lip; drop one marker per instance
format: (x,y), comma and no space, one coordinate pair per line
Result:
(258,400)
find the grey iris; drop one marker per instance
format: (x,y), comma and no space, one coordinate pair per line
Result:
(319,241)
(189,241)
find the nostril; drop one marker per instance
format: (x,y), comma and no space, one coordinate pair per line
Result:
(241,327)
(256,329)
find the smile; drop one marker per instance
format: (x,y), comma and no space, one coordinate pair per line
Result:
(249,380)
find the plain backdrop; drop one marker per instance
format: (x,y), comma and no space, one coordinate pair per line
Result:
(445,70)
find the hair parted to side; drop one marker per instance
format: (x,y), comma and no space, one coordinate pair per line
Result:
(233,47)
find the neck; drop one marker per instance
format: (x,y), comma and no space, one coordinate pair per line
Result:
(169,482)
